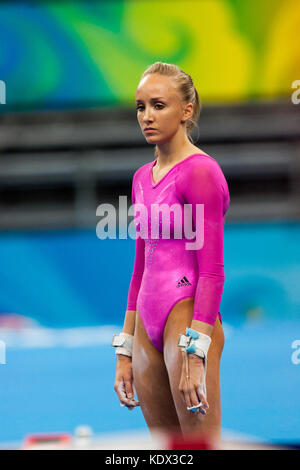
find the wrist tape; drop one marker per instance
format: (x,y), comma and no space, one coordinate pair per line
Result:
(194,342)
(123,344)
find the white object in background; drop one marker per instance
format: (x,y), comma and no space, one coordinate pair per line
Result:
(83,436)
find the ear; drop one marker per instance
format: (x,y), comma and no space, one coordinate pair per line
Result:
(187,112)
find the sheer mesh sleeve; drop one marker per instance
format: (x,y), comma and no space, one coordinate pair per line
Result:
(203,182)
(138,267)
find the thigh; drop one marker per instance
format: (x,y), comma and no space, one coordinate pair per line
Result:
(151,382)
(180,317)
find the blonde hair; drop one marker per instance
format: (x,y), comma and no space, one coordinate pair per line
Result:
(185,87)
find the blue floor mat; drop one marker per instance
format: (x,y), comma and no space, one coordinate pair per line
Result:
(58,388)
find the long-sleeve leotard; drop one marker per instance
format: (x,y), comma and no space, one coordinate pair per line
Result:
(165,271)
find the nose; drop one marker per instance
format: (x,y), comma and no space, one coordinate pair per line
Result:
(147,115)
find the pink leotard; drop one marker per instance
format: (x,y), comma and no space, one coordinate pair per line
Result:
(164,271)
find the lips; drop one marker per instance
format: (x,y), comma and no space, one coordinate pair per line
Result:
(149,129)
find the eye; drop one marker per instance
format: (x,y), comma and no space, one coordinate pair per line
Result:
(160,106)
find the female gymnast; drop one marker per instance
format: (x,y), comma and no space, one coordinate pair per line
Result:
(175,292)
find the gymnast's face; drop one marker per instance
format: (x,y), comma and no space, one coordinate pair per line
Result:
(159,106)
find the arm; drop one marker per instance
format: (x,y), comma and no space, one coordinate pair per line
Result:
(124,378)
(136,279)
(134,287)
(201,183)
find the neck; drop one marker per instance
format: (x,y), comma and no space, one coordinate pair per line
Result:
(171,152)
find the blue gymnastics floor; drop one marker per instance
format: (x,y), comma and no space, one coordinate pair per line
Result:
(57,388)
(61,374)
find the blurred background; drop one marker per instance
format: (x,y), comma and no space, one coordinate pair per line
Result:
(70,141)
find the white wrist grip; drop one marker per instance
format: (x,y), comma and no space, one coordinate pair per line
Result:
(123,344)
(195,342)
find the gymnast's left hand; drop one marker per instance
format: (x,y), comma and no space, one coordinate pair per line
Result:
(191,382)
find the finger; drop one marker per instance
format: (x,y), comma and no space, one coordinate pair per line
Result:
(128,388)
(130,408)
(183,389)
(197,409)
(184,396)
(130,393)
(129,402)
(135,393)
(132,404)
(187,398)
(202,397)
(194,402)
(121,392)
(194,398)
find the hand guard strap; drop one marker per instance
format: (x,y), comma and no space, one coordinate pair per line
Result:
(123,344)
(194,342)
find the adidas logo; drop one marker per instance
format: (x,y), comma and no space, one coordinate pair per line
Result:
(183,282)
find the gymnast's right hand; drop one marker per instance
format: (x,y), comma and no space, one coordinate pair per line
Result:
(124,382)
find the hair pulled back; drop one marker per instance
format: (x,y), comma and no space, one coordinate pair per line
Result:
(185,86)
